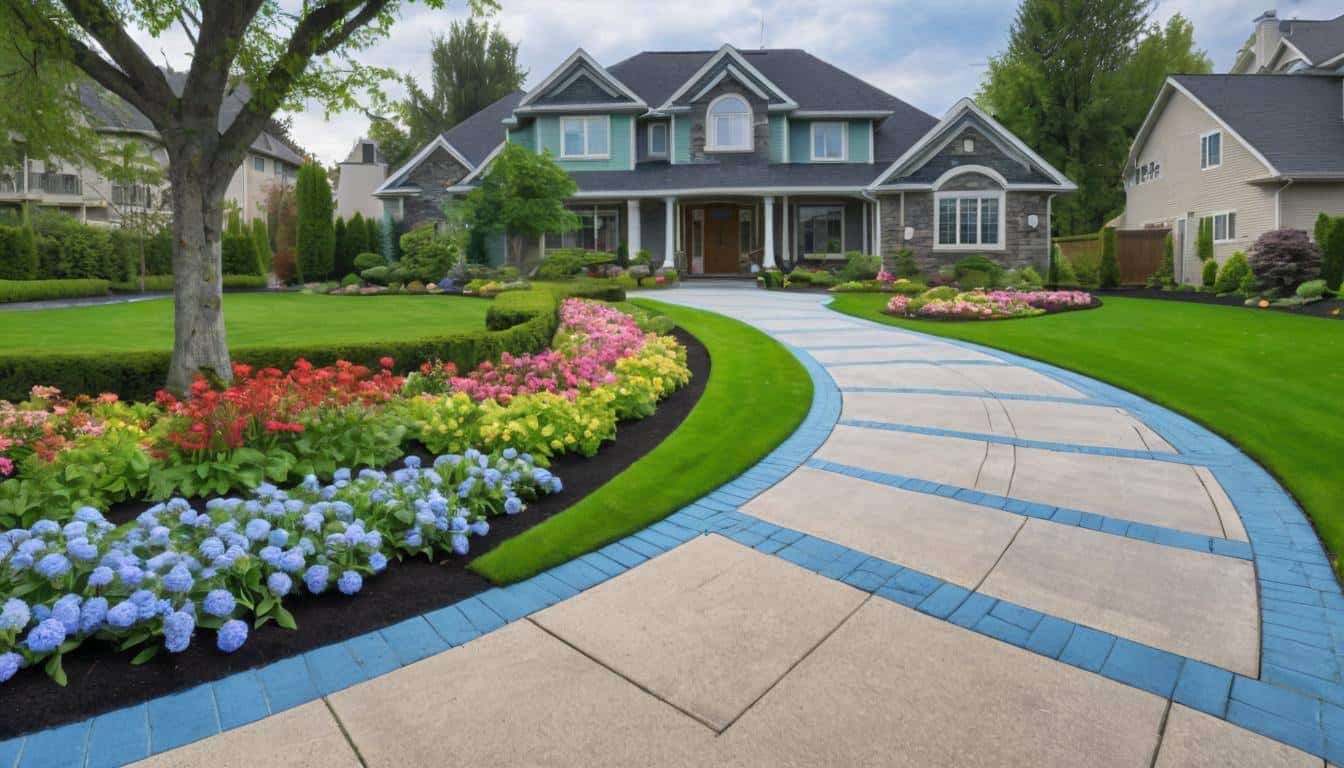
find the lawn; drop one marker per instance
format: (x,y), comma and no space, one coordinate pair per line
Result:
(757,394)
(253,319)
(1270,382)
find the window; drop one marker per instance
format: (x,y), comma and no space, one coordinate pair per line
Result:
(1211,150)
(1224,226)
(829,141)
(729,119)
(599,230)
(657,139)
(134,195)
(968,220)
(259,164)
(821,229)
(585,138)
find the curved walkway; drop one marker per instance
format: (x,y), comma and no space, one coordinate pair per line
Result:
(962,557)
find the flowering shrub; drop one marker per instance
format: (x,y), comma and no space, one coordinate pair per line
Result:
(178,569)
(977,305)
(46,425)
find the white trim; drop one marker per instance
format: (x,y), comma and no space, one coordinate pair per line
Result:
(578,55)
(586,154)
(978,194)
(959,170)
(844,141)
(1331,62)
(857,114)
(913,186)
(480,169)
(667,139)
(550,109)
(671,140)
(788,151)
(741,80)
(1214,215)
(1278,49)
(582,73)
(798,217)
(1165,95)
(960,108)
(856,191)
(438,142)
(730,51)
(872,131)
(1203,154)
(711,132)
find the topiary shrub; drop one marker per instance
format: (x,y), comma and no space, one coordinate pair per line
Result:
(1311,290)
(1209,273)
(860,266)
(350,279)
(1108,276)
(1231,274)
(905,265)
(986,272)
(1064,274)
(238,254)
(415,286)
(1283,259)
(1204,239)
(642,256)
(368,260)
(975,278)
(561,264)
(18,253)
(380,275)
(1165,276)
(425,256)
(943,292)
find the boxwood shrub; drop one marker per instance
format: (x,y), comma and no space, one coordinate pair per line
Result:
(164,283)
(40,290)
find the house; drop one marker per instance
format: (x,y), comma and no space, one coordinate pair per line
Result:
(360,173)
(81,192)
(1252,152)
(723,162)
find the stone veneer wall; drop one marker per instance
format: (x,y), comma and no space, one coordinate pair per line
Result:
(433,176)
(760,126)
(1023,247)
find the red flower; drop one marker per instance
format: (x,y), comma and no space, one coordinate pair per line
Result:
(385,362)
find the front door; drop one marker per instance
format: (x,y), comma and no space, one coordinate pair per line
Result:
(721,239)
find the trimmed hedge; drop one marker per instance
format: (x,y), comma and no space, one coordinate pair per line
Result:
(40,290)
(164,283)
(18,253)
(526,322)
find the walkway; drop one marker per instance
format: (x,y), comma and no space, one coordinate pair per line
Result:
(962,558)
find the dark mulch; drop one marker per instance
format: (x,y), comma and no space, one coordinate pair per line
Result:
(102,680)
(1328,308)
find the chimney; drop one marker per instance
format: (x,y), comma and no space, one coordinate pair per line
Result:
(1266,37)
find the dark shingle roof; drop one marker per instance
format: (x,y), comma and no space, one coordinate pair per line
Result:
(1320,40)
(476,136)
(652,177)
(1295,121)
(111,112)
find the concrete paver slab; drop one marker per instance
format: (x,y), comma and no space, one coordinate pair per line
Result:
(1155,492)
(963,414)
(517,696)
(1077,424)
(940,459)
(925,351)
(306,736)
(893,687)
(1193,739)
(1195,604)
(1014,381)
(1227,512)
(916,375)
(709,626)
(952,540)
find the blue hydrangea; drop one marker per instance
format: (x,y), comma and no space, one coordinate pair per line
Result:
(310,484)
(293,505)
(75,529)
(377,561)
(341,475)
(92,615)
(350,583)
(218,602)
(159,535)
(265,490)
(556,485)
(480,528)
(315,578)
(45,528)
(257,529)
(9,665)
(187,517)
(292,560)
(101,576)
(510,453)
(46,637)
(413,538)
(53,565)
(177,629)
(513,505)
(459,524)
(41,613)
(179,579)
(279,584)
(89,515)
(309,548)
(342,510)
(211,547)
(460,545)
(32,547)
(67,613)
(21,562)
(412,462)
(15,615)
(270,555)
(231,636)
(312,521)
(123,614)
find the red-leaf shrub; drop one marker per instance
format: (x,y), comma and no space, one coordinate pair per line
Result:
(1283,259)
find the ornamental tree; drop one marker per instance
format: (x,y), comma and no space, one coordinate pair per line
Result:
(271,54)
(316,241)
(1283,259)
(1109,276)
(522,195)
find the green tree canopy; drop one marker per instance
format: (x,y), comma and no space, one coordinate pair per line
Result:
(522,195)
(1075,83)
(316,239)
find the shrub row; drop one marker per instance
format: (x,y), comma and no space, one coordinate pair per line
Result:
(164,283)
(520,322)
(38,290)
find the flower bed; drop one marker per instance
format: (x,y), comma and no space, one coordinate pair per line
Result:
(947,304)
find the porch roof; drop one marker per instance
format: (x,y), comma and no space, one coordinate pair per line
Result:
(661,179)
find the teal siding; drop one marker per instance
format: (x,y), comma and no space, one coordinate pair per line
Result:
(859,131)
(681,140)
(800,138)
(525,136)
(778,124)
(548,137)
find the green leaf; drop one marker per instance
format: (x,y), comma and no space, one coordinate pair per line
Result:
(284,618)
(55,670)
(145,655)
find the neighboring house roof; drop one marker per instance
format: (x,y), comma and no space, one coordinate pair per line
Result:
(471,142)
(356,156)
(1293,123)
(1320,41)
(111,113)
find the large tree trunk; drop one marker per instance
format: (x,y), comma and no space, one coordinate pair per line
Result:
(199,345)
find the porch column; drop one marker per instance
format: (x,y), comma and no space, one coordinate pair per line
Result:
(863,246)
(768,260)
(632,223)
(785,255)
(669,232)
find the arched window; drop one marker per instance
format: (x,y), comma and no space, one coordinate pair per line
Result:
(729,119)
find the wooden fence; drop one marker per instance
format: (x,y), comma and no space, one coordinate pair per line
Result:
(1139,253)
(1084,250)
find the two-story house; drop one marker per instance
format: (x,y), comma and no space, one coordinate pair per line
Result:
(721,162)
(1257,149)
(82,192)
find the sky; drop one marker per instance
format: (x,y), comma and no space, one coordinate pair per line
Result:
(927,53)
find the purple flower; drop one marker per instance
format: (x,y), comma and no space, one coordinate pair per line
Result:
(211,548)
(292,560)
(513,505)
(460,545)
(67,612)
(231,636)
(377,561)
(480,528)
(350,583)
(258,529)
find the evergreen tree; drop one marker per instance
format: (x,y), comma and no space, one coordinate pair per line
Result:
(316,244)
(1204,239)
(1109,275)
(472,68)
(357,236)
(339,258)
(373,235)
(261,241)
(1330,237)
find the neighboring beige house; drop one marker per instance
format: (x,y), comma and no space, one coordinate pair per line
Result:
(361,172)
(81,192)
(1286,46)
(1253,152)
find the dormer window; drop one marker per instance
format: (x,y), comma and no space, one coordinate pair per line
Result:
(729,119)
(657,139)
(585,138)
(828,142)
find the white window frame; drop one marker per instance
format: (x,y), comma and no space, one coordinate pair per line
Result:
(258,163)
(797,220)
(1204,164)
(844,141)
(587,120)
(978,194)
(667,140)
(711,133)
(1231,216)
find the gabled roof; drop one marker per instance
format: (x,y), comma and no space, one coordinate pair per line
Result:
(742,70)
(966,108)
(1319,41)
(1293,124)
(580,60)
(471,142)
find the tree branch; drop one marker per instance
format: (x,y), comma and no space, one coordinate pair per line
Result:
(138,80)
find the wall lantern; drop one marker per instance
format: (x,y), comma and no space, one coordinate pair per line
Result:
(1033,221)
(909,234)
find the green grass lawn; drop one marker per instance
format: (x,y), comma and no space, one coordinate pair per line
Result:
(1270,382)
(253,319)
(757,394)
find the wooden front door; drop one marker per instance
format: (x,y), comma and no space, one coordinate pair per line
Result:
(721,239)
